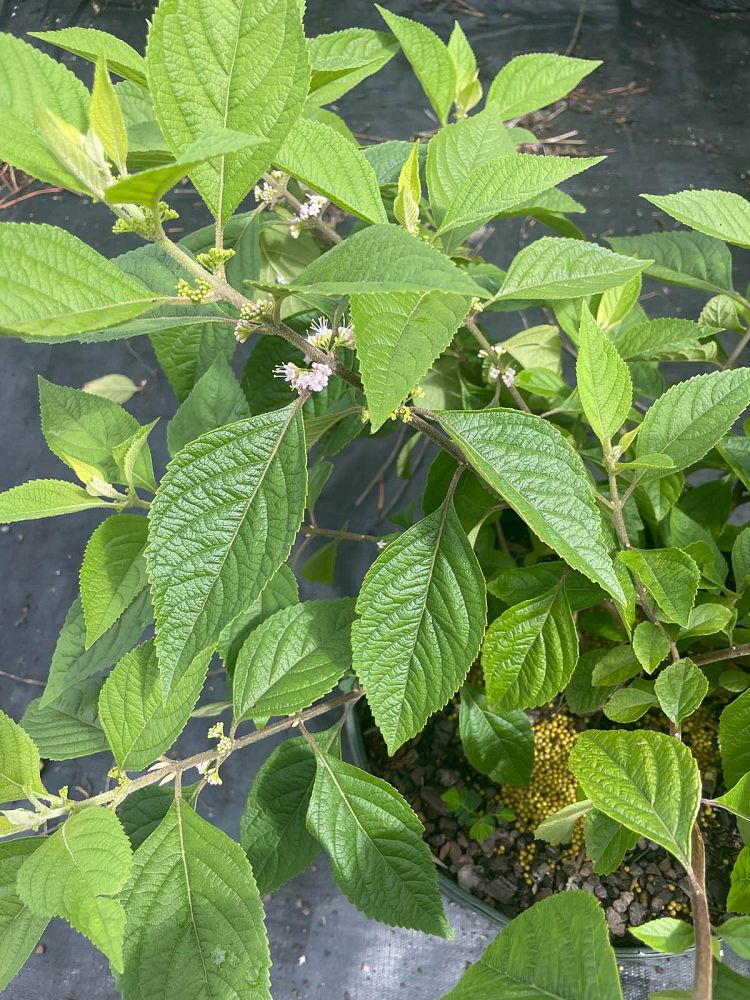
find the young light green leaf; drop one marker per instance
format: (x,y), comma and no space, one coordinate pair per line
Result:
(246,484)
(661,339)
(650,645)
(217,399)
(48,301)
(735,932)
(133,458)
(533,80)
(118,388)
(681,258)
(273,828)
(409,193)
(19,763)
(422,609)
(558,828)
(293,658)
(69,728)
(616,303)
(468,88)
(106,117)
(607,841)
(243,83)
(734,739)
(737,799)
(45,498)
(738,900)
(374,841)
(645,780)
(604,382)
(499,744)
(666,934)
(530,652)
(629,704)
(193,895)
(90,43)
(139,722)
(670,575)
(721,214)
(342,59)
(280,591)
(76,874)
(680,688)
(520,962)
(29,81)
(323,159)
(429,58)
(113,572)
(399,337)
(531,465)
(20,929)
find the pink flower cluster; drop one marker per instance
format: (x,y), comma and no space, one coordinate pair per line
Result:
(315,378)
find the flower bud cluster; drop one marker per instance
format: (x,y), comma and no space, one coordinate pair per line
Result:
(215,258)
(195,293)
(139,221)
(252,315)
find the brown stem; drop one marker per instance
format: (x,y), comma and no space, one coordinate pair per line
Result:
(440,439)
(314,531)
(280,329)
(703,976)
(716,655)
(737,352)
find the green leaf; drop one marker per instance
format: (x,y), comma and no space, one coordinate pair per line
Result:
(133,458)
(524,583)
(53,287)
(106,117)
(73,662)
(681,258)
(113,572)
(90,43)
(522,962)
(217,399)
(604,382)
(741,558)
(69,728)
(468,88)
(29,82)
(293,658)
(342,59)
(143,811)
(327,162)
(245,484)
(499,744)
(533,80)
(734,739)
(383,258)
(147,187)
(680,688)
(45,498)
(661,339)
(19,763)
(737,799)
(409,193)
(738,900)
(616,303)
(558,828)
(530,652)
(629,704)
(280,591)
(76,873)
(607,841)
(613,666)
(140,723)
(735,932)
(645,780)
(399,337)
(20,929)
(422,609)
(564,268)
(666,934)
(273,828)
(246,80)
(671,576)
(193,896)
(374,841)
(118,388)
(429,58)
(721,214)
(507,183)
(692,416)
(532,466)
(650,645)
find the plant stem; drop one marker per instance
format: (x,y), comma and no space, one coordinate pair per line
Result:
(472,327)
(716,655)
(326,231)
(703,977)
(440,439)
(314,531)
(737,352)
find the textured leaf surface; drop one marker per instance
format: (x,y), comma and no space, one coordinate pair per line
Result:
(650,645)
(54,287)
(273,829)
(374,841)
(530,652)
(738,900)
(399,337)
(666,935)
(76,873)
(734,739)
(604,382)
(19,762)
(222,522)
(660,339)
(139,721)
(533,80)
(680,688)
(629,704)
(143,811)
(45,498)
(670,575)
(647,781)
(564,268)
(607,841)
(692,416)
(533,467)
(252,77)
(327,162)
(681,258)
(499,744)
(342,59)
(113,572)
(558,828)
(293,658)
(520,964)
(737,799)
(216,399)
(30,81)
(194,916)
(721,214)
(69,727)
(422,609)
(90,43)
(280,591)
(20,929)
